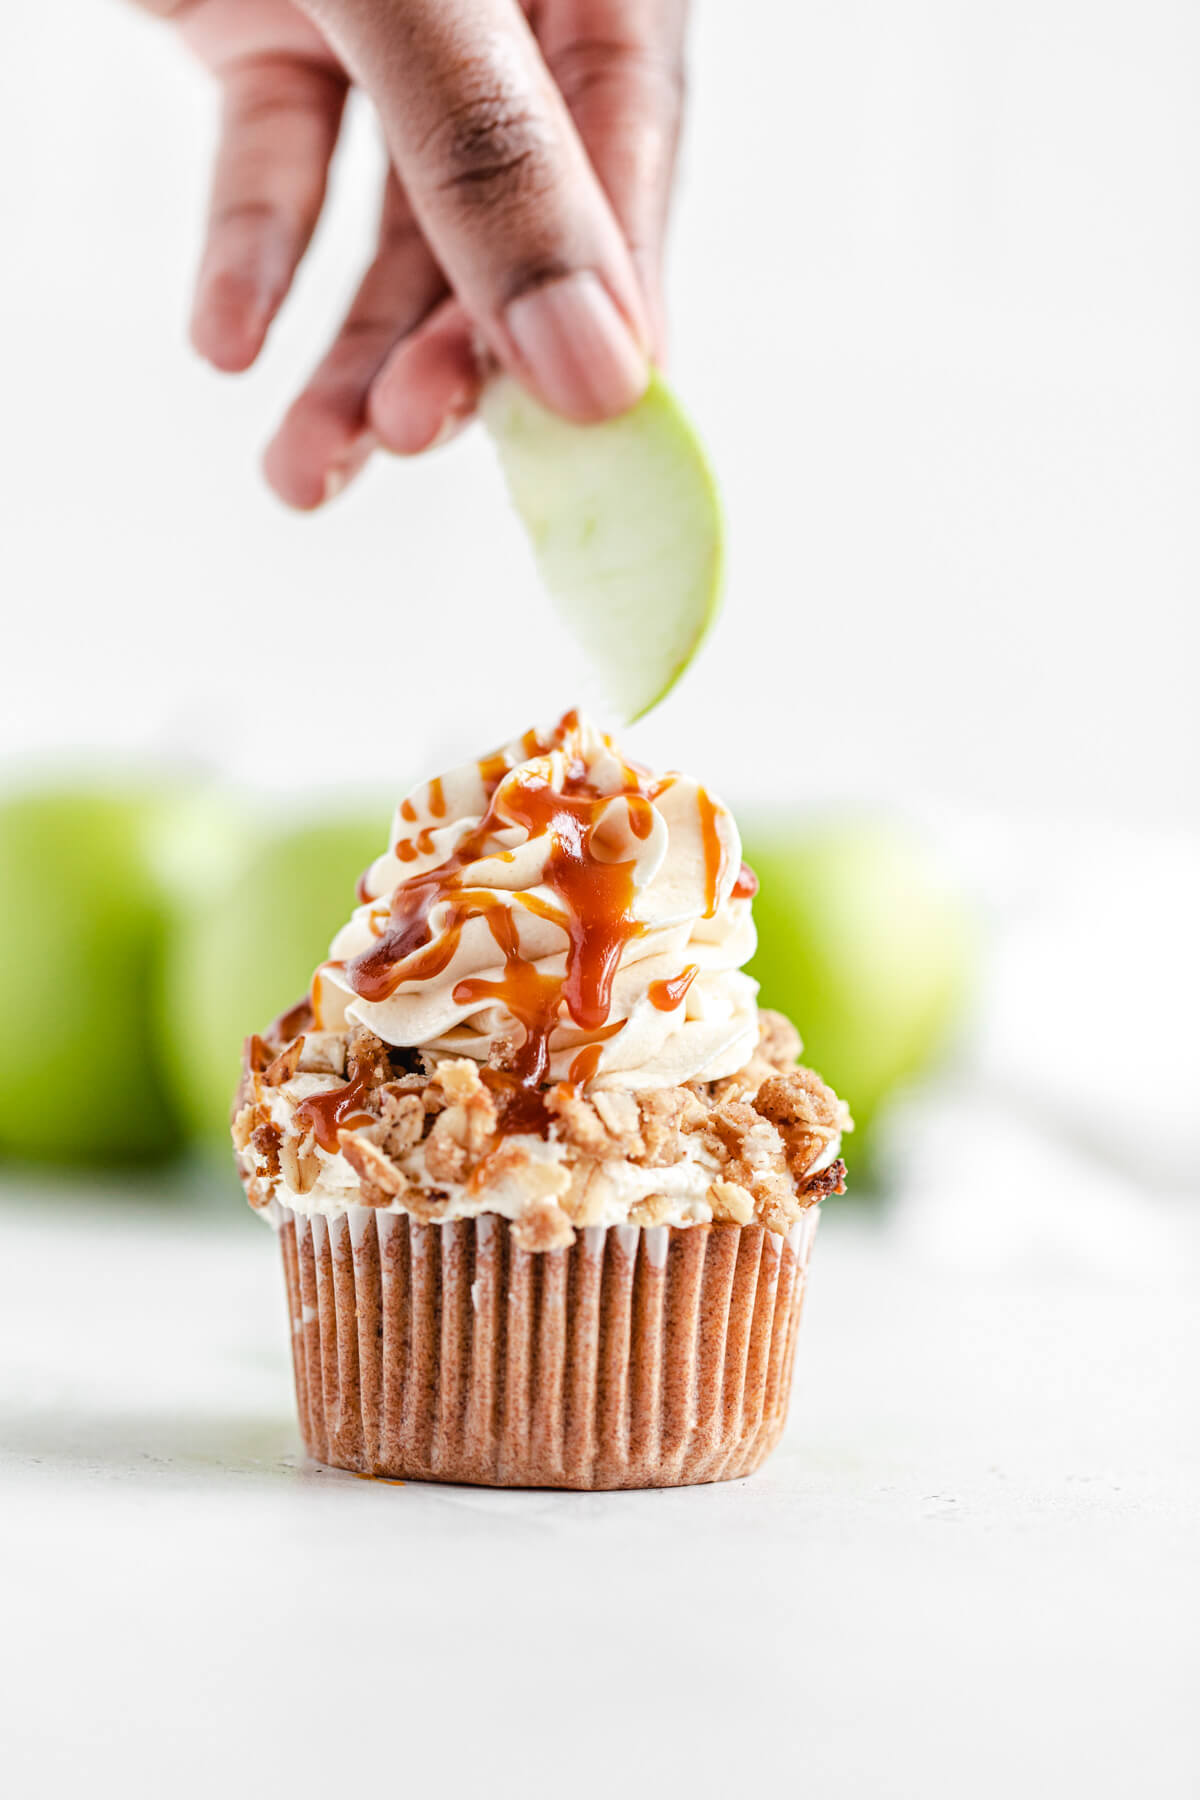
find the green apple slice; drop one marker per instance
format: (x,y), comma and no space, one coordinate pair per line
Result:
(626,526)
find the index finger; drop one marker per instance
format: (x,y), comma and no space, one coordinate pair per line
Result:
(504,192)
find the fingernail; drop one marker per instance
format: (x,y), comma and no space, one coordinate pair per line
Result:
(579,352)
(456,420)
(649,274)
(231,314)
(411,409)
(339,474)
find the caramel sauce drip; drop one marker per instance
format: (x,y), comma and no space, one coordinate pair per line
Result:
(492,770)
(593,905)
(314,993)
(666,995)
(746,885)
(531,997)
(407,849)
(716,857)
(520,1108)
(341,1109)
(585,1064)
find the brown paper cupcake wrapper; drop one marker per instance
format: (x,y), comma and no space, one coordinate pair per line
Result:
(637,1358)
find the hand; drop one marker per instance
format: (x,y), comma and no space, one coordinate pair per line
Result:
(523,211)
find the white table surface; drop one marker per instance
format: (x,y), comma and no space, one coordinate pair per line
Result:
(970,1569)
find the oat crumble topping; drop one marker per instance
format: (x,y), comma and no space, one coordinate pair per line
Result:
(427,1131)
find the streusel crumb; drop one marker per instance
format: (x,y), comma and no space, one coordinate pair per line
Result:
(756,1147)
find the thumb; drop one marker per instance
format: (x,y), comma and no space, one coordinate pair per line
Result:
(504,192)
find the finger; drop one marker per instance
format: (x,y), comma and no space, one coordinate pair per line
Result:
(504,192)
(430,385)
(619,66)
(280,123)
(325,437)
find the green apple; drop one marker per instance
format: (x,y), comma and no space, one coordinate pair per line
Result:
(625,521)
(866,947)
(81,918)
(240,951)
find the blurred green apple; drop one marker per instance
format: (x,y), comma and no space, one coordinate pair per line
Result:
(242,950)
(82,916)
(865,945)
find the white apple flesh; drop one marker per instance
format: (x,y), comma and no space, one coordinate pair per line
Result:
(625,522)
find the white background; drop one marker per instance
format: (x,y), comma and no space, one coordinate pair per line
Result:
(935,279)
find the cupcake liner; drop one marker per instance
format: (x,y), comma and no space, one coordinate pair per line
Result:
(649,1357)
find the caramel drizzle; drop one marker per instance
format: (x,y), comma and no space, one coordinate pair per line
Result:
(341,1109)
(585,1064)
(594,902)
(408,849)
(716,856)
(746,885)
(314,992)
(667,995)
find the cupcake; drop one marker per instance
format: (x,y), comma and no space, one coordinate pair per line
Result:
(545,1177)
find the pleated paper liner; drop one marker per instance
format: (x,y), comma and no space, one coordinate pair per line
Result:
(637,1358)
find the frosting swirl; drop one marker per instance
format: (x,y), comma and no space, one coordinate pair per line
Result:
(559,912)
